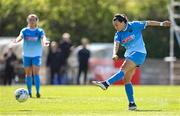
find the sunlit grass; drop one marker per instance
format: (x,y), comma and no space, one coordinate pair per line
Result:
(92,101)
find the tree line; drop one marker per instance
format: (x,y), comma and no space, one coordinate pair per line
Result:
(88,18)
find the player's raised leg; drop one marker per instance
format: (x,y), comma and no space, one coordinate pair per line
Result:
(127,65)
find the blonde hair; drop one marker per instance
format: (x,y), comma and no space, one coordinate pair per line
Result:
(66,35)
(32,15)
(84,41)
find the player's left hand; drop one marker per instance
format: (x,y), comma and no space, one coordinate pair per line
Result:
(46,43)
(115,57)
(166,23)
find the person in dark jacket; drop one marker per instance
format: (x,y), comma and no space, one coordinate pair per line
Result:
(10,60)
(66,46)
(83,59)
(54,61)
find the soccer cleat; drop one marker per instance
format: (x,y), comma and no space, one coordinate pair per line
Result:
(38,95)
(132,106)
(102,85)
(30,95)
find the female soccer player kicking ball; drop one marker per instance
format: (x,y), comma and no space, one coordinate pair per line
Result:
(129,35)
(33,39)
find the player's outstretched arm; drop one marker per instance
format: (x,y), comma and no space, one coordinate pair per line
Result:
(44,41)
(157,23)
(115,50)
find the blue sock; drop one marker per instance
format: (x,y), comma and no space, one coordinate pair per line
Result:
(129,92)
(118,76)
(29,83)
(37,83)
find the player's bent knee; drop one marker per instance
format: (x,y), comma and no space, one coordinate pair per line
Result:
(36,73)
(127,66)
(126,81)
(124,70)
(28,75)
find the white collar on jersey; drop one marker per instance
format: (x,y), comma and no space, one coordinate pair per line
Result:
(32,29)
(125,28)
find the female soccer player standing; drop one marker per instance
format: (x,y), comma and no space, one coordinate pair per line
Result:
(33,40)
(129,35)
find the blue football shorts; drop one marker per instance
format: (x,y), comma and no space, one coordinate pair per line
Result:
(137,57)
(29,61)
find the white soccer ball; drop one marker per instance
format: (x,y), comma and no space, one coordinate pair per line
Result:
(21,95)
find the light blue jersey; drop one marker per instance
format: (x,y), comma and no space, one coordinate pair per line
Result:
(32,46)
(131,38)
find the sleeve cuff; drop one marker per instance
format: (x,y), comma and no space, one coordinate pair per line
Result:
(145,25)
(117,41)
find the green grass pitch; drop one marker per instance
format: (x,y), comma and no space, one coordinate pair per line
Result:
(92,101)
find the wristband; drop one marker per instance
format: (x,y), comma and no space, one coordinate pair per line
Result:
(161,23)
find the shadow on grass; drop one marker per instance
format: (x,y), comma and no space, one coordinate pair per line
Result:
(25,110)
(139,110)
(47,98)
(44,98)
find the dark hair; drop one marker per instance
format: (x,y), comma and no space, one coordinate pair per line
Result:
(120,18)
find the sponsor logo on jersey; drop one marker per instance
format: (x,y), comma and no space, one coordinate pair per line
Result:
(129,38)
(31,38)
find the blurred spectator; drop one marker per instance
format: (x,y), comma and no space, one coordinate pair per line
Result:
(83,59)
(54,62)
(65,45)
(10,60)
